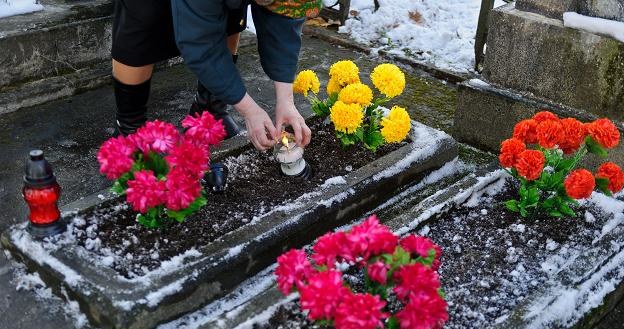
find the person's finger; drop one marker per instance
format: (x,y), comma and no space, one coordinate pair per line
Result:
(272,130)
(307,134)
(253,139)
(263,140)
(279,123)
(296,126)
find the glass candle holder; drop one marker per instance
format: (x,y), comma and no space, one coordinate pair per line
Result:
(290,157)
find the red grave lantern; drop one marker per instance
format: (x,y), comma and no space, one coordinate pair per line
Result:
(41,192)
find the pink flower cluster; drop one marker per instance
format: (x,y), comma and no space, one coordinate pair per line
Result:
(405,267)
(186,156)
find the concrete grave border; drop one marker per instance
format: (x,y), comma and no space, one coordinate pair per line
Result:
(111,301)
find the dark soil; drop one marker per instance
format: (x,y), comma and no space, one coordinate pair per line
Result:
(492,259)
(255,186)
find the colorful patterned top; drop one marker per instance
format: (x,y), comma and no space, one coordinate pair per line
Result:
(293,8)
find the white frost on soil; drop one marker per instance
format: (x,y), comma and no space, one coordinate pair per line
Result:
(440,32)
(338,180)
(18,7)
(596,25)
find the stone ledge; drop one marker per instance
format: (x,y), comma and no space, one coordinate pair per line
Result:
(609,9)
(486,115)
(531,53)
(112,302)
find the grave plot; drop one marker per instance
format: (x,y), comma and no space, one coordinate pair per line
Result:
(497,268)
(125,277)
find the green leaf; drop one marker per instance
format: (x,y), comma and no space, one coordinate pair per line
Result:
(603,185)
(524,192)
(533,196)
(512,205)
(392,323)
(565,165)
(524,212)
(595,148)
(180,215)
(555,213)
(320,108)
(565,209)
(373,140)
(156,163)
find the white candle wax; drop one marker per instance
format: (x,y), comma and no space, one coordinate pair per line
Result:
(290,154)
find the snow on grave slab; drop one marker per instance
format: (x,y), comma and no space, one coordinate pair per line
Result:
(198,276)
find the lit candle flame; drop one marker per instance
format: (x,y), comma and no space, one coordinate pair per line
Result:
(285,140)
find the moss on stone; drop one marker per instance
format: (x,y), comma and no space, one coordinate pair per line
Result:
(611,69)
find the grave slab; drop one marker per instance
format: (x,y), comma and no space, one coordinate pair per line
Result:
(532,53)
(609,9)
(486,116)
(111,301)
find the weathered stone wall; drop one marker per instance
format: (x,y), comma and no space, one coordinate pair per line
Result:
(532,53)
(609,9)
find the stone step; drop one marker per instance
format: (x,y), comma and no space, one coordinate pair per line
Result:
(486,115)
(609,9)
(58,52)
(533,53)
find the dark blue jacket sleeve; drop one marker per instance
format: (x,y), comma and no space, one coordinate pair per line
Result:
(279,42)
(200,36)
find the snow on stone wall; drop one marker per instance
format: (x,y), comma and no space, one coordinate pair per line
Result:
(18,7)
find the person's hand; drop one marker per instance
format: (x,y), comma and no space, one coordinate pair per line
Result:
(286,114)
(260,129)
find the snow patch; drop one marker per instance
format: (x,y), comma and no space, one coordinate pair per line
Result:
(18,7)
(596,25)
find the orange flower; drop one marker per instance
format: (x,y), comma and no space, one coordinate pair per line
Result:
(604,132)
(614,174)
(579,184)
(575,133)
(550,133)
(525,131)
(530,164)
(544,115)
(510,149)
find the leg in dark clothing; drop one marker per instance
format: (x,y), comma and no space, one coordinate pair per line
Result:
(131,103)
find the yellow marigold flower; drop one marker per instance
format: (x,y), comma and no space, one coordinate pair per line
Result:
(389,79)
(347,118)
(333,87)
(306,81)
(356,93)
(396,125)
(344,73)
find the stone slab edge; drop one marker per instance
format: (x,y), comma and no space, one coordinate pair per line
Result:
(241,253)
(486,115)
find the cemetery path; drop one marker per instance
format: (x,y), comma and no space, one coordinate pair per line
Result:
(70,130)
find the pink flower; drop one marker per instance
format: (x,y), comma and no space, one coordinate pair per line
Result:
(421,246)
(329,247)
(115,157)
(371,238)
(414,280)
(182,189)
(203,129)
(145,191)
(190,158)
(292,269)
(360,311)
(156,136)
(423,312)
(322,295)
(378,272)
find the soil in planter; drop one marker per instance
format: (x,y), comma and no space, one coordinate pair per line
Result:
(255,186)
(492,259)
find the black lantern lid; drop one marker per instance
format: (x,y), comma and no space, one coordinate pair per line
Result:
(38,171)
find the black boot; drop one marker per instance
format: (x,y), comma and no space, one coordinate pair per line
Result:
(131,106)
(204,101)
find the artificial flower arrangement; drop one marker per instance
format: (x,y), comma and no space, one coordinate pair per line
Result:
(400,275)
(548,179)
(353,108)
(160,170)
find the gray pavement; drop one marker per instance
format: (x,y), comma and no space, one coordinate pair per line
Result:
(70,131)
